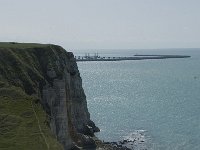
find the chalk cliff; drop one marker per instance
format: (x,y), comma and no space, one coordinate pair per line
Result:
(46,80)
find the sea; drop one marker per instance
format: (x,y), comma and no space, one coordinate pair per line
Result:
(156,100)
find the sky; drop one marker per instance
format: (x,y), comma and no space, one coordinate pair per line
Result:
(102,24)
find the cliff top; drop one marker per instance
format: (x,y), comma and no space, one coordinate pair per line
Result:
(21,45)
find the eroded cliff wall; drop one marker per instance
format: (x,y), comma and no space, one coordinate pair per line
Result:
(49,76)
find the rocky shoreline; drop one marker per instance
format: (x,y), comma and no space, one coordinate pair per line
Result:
(135,141)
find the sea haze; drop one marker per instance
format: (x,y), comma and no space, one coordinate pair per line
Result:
(161,97)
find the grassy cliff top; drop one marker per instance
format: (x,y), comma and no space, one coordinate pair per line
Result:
(21,45)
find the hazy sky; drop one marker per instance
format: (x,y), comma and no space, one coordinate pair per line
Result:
(82,24)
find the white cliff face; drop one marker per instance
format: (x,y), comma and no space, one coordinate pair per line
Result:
(56,100)
(50,76)
(65,102)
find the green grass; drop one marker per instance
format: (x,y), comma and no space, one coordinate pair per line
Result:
(21,45)
(19,128)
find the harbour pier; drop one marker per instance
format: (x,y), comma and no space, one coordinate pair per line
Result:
(96,57)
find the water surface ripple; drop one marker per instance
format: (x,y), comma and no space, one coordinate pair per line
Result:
(161,97)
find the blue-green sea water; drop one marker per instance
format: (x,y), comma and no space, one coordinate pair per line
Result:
(161,97)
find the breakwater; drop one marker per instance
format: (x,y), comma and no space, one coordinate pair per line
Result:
(135,57)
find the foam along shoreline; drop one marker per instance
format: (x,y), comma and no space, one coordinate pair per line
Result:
(135,140)
(135,57)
